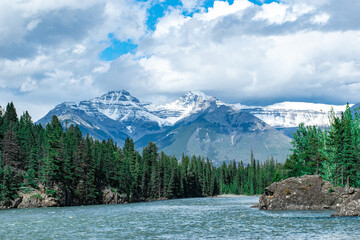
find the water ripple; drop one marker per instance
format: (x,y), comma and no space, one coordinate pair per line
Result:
(197,218)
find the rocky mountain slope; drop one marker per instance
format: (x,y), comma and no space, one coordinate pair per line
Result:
(192,124)
(222,133)
(286,116)
(291,114)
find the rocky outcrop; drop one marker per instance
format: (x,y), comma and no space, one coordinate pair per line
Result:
(36,199)
(111,197)
(308,192)
(33,200)
(350,208)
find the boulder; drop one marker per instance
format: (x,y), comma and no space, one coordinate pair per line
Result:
(350,208)
(37,199)
(5,204)
(29,202)
(49,202)
(308,192)
(16,202)
(111,197)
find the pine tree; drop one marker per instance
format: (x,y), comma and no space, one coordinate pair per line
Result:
(8,186)
(10,154)
(26,139)
(90,190)
(54,153)
(149,157)
(10,115)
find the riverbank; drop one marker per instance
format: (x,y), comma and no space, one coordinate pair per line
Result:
(233,195)
(38,199)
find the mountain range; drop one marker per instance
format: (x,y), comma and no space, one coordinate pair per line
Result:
(193,124)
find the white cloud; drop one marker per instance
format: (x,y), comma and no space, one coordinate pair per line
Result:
(190,5)
(49,51)
(173,20)
(32,24)
(321,18)
(28,86)
(222,8)
(253,60)
(79,49)
(277,13)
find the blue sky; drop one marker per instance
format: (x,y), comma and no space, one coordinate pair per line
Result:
(254,52)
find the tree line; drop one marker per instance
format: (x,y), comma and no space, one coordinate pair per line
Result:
(76,168)
(333,152)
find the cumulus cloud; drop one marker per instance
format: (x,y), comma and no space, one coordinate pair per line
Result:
(241,52)
(49,51)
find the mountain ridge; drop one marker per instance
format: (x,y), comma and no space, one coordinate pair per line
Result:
(195,123)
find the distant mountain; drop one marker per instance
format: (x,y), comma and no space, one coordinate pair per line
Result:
(221,133)
(356,108)
(286,116)
(2,111)
(192,124)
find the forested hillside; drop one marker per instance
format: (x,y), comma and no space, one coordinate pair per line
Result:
(334,153)
(75,169)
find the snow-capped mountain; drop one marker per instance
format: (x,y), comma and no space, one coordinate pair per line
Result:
(193,124)
(191,103)
(115,115)
(221,133)
(119,106)
(291,114)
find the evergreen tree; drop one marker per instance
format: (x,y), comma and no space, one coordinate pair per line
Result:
(54,153)
(10,154)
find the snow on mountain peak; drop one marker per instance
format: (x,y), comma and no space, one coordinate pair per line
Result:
(197,95)
(114,97)
(123,107)
(191,102)
(304,106)
(291,114)
(116,105)
(66,105)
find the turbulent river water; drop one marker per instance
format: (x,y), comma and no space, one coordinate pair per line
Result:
(195,218)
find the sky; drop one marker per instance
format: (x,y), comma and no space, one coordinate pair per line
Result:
(251,52)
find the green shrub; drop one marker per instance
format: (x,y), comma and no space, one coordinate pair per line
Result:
(37,195)
(26,190)
(52,193)
(331,190)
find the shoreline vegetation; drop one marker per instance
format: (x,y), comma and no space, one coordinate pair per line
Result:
(53,166)
(56,166)
(328,158)
(333,152)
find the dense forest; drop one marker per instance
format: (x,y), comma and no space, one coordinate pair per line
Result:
(333,153)
(75,169)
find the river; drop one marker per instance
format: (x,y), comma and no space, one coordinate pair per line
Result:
(195,218)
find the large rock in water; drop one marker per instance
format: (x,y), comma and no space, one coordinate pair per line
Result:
(351,209)
(308,192)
